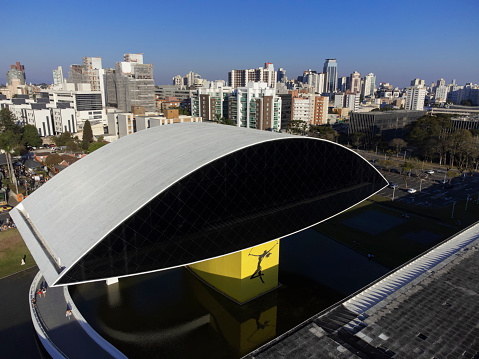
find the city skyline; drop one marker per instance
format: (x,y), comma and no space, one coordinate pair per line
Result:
(399,43)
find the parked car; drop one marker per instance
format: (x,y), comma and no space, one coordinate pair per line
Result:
(411,190)
(393,185)
(5,208)
(430,172)
(444,181)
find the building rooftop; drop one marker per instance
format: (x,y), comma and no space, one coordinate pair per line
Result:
(428,308)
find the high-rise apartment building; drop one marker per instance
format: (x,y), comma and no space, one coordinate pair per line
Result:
(255,106)
(441,94)
(211,102)
(135,85)
(241,78)
(441,82)
(415,96)
(58,76)
(281,75)
(331,71)
(315,80)
(16,72)
(418,82)
(369,85)
(355,82)
(342,82)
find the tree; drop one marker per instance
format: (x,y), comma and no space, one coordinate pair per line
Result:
(87,132)
(95,145)
(8,121)
(398,144)
(466,103)
(62,139)
(8,141)
(357,138)
(53,159)
(406,168)
(72,146)
(324,131)
(30,136)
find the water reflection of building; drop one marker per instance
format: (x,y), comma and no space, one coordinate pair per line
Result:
(245,327)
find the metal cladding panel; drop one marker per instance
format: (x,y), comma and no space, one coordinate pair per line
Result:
(78,207)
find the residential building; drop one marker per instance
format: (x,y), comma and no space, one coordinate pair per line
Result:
(418,82)
(16,72)
(211,102)
(354,82)
(58,76)
(255,106)
(135,85)
(441,94)
(241,78)
(415,96)
(282,75)
(330,69)
(315,80)
(342,82)
(369,85)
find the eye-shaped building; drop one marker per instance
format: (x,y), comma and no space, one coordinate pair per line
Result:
(174,195)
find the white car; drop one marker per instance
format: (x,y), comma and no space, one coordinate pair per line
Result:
(411,190)
(430,172)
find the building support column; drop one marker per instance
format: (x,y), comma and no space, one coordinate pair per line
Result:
(111,281)
(243,275)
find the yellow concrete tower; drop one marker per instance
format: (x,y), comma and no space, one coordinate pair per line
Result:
(242,275)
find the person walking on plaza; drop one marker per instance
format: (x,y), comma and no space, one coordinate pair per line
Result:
(68,314)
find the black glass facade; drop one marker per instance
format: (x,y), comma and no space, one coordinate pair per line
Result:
(246,198)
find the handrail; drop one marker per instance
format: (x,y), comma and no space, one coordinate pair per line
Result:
(40,325)
(102,342)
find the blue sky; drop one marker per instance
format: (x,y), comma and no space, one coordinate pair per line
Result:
(398,41)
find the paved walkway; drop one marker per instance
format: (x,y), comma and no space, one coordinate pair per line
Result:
(68,335)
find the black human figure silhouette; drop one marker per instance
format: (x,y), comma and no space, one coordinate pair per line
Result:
(259,270)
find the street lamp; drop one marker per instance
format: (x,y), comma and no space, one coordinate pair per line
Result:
(453,204)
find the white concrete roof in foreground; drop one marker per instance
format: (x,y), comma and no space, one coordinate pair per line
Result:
(77,208)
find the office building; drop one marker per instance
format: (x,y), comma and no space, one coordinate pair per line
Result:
(330,70)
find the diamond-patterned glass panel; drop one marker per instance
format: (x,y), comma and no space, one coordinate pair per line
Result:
(246,198)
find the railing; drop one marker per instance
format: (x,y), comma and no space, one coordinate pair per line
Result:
(39,323)
(109,348)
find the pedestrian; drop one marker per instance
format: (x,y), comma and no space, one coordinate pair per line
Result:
(44,290)
(34,302)
(68,314)
(39,292)
(22,262)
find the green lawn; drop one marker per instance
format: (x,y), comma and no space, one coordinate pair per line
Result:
(12,250)
(390,247)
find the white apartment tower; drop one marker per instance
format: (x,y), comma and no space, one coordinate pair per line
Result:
(369,85)
(58,76)
(355,82)
(415,96)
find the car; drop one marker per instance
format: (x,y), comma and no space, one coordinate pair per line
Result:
(444,181)
(411,190)
(393,185)
(430,172)
(5,208)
